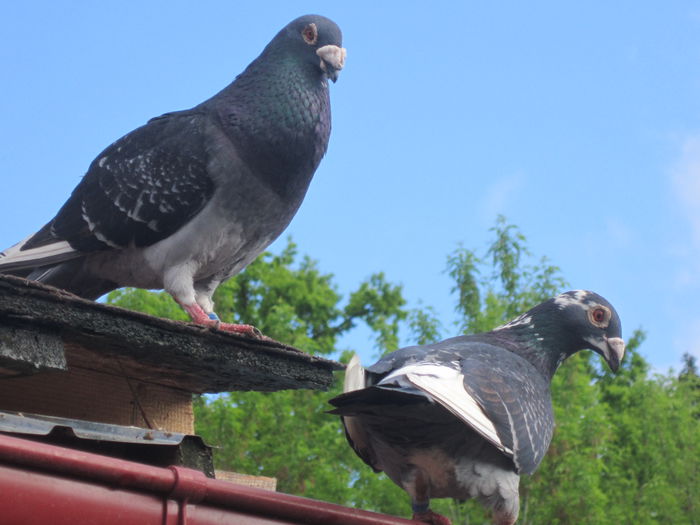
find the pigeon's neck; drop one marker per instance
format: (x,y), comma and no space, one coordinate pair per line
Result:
(541,345)
(277,113)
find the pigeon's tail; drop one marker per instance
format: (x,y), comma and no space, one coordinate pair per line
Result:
(73,277)
(374,400)
(56,264)
(360,398)
(373,407)
(22,259)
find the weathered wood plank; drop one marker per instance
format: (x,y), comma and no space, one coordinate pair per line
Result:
(27,352)
(190,357)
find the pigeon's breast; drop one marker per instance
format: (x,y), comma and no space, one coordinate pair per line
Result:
(284,140)
(224,238)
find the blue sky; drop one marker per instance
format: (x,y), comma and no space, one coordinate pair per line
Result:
(579,123)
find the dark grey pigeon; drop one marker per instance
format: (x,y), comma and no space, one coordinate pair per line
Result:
(189,199)
(465,417)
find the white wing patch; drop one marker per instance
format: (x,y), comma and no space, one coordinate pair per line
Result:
(354,375)
(446,385)
(355,380)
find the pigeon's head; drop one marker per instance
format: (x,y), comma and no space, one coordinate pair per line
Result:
(314,40)
(594,324)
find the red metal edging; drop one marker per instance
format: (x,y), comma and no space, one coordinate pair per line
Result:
(42,483)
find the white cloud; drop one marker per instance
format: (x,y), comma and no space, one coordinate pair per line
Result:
(685,184)
(685,177)
(619,233)
(499,195)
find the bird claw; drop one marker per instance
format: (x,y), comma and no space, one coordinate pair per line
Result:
(199,316)
(243,329)
(431,517)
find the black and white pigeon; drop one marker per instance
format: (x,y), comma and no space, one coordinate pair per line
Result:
(465,417)
(190,198)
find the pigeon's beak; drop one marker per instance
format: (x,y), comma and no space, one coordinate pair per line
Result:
(614,352)
(332,60)
(611,348)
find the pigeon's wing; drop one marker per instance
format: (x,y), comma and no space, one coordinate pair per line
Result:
(138,191)
(444,383)
(516,399)
(496,392)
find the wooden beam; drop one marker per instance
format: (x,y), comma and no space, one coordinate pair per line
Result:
(121,342)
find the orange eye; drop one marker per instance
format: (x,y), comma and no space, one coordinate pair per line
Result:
(598,316)
(310,34)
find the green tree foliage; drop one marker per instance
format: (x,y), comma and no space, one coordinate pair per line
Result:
(496,286)
(158,304)
(626,447)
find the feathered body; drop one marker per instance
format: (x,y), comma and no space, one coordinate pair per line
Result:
(189,199)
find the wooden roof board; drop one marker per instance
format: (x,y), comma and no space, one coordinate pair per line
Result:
(108,338)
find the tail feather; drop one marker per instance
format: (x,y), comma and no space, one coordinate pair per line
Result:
(355,433)
(18,257)
(75,278)
(56,264)
(360,405)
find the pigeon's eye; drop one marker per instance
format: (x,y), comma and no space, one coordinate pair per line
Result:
(599,316)
(310,34)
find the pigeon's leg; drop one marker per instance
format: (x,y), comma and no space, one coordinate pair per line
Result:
(418,487)
(505,500)
(199,316)
(179,284)
(504,518)
(431,517)
(203,292)
(505,511)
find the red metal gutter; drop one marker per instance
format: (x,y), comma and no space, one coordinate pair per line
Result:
(42,483)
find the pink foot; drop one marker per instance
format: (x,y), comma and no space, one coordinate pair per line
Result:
(244,329)
(199,316)
(431,517)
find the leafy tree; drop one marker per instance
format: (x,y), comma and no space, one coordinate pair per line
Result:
(496,286)
(158,304)
(689,380)
(652,455)
(690,367)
